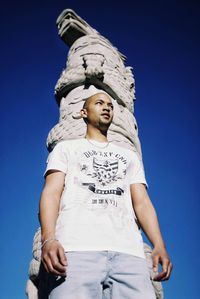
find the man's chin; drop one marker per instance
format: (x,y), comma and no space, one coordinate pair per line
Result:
(105,125)
(106,121)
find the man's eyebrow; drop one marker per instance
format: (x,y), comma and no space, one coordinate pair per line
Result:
(109,103)
(99,99)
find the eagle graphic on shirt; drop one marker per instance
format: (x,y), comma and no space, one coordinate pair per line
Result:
(105,171)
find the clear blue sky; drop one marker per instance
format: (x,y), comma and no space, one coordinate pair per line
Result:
(161,42)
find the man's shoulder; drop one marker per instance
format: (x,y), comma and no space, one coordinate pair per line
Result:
(124,150)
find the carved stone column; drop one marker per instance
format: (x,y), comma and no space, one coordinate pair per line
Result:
(92,60)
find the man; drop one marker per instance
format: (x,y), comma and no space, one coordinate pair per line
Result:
(92,202)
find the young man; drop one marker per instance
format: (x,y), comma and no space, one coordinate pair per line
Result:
(93,198)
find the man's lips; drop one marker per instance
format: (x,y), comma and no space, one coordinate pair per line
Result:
(105,114)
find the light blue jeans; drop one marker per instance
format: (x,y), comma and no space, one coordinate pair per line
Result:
(102,275)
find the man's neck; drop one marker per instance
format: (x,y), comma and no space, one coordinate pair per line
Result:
(96,134)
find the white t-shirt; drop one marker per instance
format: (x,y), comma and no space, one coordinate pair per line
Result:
(96,210)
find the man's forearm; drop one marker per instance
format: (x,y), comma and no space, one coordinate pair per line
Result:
(147,218)
(146,215)
(53,255)
(49,207)
(49,203)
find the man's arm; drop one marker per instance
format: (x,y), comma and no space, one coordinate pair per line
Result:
(147,218)
(53,255)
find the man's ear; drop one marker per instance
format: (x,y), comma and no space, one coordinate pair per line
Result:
(83,113)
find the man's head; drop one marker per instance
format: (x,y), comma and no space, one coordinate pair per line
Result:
(97,111)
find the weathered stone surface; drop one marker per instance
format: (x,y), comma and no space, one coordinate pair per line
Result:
(31,290)
(93,60)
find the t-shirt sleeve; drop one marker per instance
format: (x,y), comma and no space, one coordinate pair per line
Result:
(136,171)
(57,159)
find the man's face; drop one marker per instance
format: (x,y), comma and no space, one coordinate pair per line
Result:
(98,110)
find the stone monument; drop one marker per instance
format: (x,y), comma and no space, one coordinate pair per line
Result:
(92,60)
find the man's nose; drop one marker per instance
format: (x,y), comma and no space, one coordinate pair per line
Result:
(106,107)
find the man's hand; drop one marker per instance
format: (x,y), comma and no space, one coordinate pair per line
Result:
(54,259)
(160,256)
